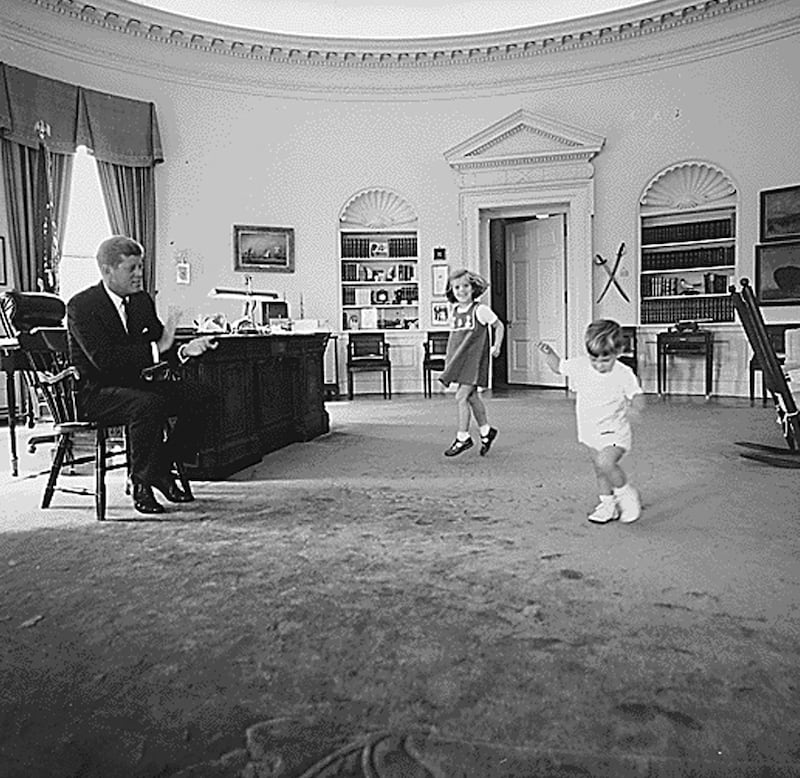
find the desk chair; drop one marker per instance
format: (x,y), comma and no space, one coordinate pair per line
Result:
(629,355)
(369,352)
(435,349)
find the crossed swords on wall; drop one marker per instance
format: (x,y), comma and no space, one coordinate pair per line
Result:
(612,273)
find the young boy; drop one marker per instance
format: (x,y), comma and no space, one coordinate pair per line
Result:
(608,397)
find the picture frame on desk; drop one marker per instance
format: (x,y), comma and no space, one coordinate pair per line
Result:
(778,273)
(779,214)
(263,249)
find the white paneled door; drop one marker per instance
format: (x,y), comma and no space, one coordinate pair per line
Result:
(536,262)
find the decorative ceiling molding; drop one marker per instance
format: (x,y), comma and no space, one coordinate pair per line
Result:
(183,32)
(688,185)
(378,209)
(523,139)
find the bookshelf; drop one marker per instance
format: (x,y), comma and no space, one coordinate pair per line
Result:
(379,279)
(688,260)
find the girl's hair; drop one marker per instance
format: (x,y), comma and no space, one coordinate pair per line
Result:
(604,338)
(479,285)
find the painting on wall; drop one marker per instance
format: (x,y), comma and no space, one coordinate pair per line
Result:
(264,249)
(439,274)
(778,273)
(780,214)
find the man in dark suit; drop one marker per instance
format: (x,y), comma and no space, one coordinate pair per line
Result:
(114,335)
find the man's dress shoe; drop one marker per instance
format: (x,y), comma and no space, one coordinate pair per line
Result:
(171,490)
(144,501)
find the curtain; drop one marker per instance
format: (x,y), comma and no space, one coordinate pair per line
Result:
(121,133)
(130,198)
(26,199)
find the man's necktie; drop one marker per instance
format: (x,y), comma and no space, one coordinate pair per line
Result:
(125,303)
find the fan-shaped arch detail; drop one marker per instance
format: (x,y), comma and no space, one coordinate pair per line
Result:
(378,209)
(688,185)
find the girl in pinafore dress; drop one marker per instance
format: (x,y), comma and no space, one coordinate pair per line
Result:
(476,333)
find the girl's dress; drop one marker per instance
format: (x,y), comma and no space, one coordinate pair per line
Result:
(467,358)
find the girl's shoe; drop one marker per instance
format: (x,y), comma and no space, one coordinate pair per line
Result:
(457,446)
(605,511)
(486,442)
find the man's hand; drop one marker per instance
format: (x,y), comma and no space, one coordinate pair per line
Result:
(198,346)
(167,338)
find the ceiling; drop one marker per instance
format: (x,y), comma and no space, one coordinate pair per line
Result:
(382,19)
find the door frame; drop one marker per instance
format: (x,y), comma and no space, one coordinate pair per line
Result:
(576,201)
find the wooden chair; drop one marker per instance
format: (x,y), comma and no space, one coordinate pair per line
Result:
(369,352)
(435,347)
(775,382)
(777,337)
(629,355)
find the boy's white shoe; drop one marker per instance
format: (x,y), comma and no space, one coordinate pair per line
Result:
(630,507)
(605,511)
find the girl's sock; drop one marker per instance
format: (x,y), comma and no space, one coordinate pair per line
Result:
(462,435)
(484,430)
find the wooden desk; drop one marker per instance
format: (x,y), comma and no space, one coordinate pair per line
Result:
(9,358)
(699,342)
(270,390)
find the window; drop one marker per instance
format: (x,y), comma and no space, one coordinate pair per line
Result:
(87,226)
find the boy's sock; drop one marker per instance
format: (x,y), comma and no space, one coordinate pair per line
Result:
(462,435)
(484,430)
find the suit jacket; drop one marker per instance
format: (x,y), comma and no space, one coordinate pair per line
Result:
(104,353)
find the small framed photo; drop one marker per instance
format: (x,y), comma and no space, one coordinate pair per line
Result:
(263,249)
(780,214)
(439,254)
(439,274)
(778,273)
(440,314)
(379,248)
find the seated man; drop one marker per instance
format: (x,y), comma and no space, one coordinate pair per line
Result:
(114,334)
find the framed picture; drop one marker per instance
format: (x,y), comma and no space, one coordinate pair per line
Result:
(778,273)
(379,248)
(439,254)
(264,249)
(439,275)
(3,268)
(780,214)
(440,314)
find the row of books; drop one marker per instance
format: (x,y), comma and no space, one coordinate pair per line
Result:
(687,309)
(400,273)
(688,231)
(374,319)
(707,257)
(360,246)
(662,286)
(402,295)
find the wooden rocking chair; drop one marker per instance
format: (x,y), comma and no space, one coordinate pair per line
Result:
(775,383)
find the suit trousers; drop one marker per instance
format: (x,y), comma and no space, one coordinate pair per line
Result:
(146,411)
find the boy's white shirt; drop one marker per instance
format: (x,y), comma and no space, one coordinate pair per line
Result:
(602,398)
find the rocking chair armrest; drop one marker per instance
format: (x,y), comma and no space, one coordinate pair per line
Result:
(57,378)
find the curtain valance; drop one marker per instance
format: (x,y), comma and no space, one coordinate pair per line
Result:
(115,129)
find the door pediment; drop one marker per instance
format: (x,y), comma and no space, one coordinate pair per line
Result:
(524,138)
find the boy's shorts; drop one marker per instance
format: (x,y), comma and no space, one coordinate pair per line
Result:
(600,439)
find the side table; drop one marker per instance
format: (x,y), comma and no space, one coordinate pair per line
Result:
(687,343)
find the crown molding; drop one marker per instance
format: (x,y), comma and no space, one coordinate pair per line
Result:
(126,18)
(264,63)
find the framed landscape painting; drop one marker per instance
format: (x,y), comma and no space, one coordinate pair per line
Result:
(264,249)
(780,214)
(778,273)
